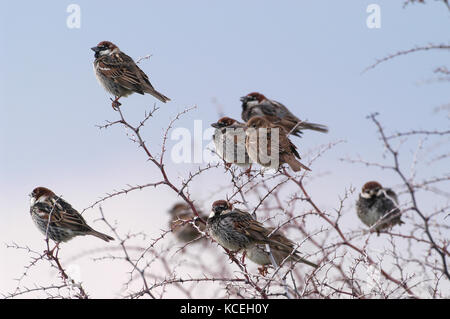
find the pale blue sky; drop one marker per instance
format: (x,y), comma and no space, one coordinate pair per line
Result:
(306,54)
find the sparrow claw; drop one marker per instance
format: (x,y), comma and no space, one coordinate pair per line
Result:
(263,271)
(50,253)
(115,103)
(231,255)
(248,171)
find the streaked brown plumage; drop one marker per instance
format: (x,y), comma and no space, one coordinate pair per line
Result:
(256,104)
(229,140)
(236,230)
(119,74)
(56,218)
(274,154)
(260,256)
(378,207)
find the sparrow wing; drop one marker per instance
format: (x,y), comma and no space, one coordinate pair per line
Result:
(392,195)
(286,146)
(62,214)
(287,123)
(122,69)
(288,153)
(267,108)
(279,242)
(144,83)
(283,112)
(44,210)
(388,204)
(244,223)
(282,245)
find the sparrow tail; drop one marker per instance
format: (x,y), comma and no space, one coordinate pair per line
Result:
(158,95)
(304,261)
(296,165)
(294,255)
(313,127)
(100,235)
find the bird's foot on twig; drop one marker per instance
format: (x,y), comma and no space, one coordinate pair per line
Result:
(50,254)
(263,271)
(115,103)
(248,171)
(232,255)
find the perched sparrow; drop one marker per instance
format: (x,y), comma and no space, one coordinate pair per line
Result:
(256,104)
(229,139)
(268,153)
(260,256)
(65,222)
(235,229)
(119,75)
(181,212)
(378,205)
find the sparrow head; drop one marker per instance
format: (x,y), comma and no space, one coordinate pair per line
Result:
(178,208)
(251,99)
(104,48)
(258,122)
(371,189)
(220,207)
(40,193)
(223,122)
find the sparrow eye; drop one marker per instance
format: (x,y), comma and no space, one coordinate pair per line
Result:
(222,207)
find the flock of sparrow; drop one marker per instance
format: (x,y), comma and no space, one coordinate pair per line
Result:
(237,144)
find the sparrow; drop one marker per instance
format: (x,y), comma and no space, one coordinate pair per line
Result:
(259,255)
(119,74)
(262,150)
(236,230)
(256,104)
(378,206)
(56,218)
(229,140)
(185,232)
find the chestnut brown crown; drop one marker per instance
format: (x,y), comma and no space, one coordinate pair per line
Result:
(107,45)
(221,205)
(371,187)
(224,122)
(38,192)
(254,96)
(104,47)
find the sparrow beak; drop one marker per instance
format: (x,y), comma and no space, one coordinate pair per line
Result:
(215,125)
(95,49)
(243,99)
